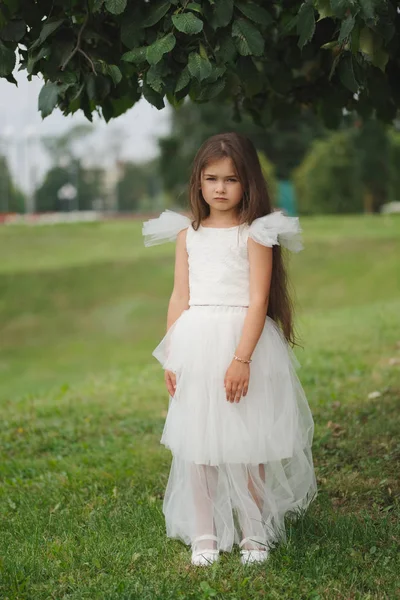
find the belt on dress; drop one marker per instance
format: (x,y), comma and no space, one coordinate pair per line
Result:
(231,305)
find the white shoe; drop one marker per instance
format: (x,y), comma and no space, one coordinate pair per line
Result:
(252,556)
(207,556)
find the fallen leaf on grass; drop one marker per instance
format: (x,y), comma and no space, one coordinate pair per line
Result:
(336,428)
(395,360)
(373,395)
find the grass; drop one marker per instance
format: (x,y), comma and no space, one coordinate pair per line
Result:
(82,406)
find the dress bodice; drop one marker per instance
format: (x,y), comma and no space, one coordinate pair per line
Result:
(218,257)
(218,265)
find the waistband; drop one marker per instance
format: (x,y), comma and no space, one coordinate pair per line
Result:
(228,305)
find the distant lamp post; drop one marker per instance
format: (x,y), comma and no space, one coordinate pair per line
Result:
(29,136)
(66,162)
(67,194)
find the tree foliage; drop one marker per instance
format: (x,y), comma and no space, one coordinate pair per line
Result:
(328,180)
(284,143)
(11,197)
(138,183)
(87,182)
(353,170)
(271,59)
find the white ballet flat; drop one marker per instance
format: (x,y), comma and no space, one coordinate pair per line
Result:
(252,556)
(207,556)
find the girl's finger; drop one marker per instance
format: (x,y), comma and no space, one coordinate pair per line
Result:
(238,394)
(170,380)
(233,394)
(228,391)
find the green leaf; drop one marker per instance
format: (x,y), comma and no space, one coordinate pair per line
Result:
(330,45)
(305,23)
(222,13)
(12,6)
(97,4)
(254,12)
(116,7)
(249,76)
(11,79)
(380,58)
(324,9)
(132,35)
(14,31)
(209,91)
(34,58)
(194,6)
(48,99)
(48,28)
(157,13)
(174,101)
(247,38)
(199,67)
(346,74)
(183,80)
(7,60)
(366,41)
(367,8)
(346,28)
(340,7)
(187,23)
(156,51)
(115,73)
(154,77)
(137,55)
(226,49)
(152,96)
(216,73)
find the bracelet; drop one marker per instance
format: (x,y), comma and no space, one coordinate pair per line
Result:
(242,359)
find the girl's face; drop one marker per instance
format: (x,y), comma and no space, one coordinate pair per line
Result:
(220,185)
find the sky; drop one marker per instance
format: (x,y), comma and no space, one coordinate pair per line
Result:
(133,135)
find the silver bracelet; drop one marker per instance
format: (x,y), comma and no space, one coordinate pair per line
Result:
(242,359)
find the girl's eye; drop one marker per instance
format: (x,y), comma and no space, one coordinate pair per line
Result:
(232,179)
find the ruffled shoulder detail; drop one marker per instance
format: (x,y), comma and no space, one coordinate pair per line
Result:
(277,228)
(164,228)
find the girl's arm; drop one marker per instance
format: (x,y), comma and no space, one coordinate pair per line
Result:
(260,261)
(179,300)
(238,374)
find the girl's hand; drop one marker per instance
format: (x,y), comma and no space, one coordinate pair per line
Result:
(236,380)
(170,382)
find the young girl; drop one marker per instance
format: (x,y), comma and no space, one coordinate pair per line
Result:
(238,425)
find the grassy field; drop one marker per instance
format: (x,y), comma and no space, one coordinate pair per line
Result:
(82,406)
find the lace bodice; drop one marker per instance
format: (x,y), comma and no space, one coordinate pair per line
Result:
(218,257)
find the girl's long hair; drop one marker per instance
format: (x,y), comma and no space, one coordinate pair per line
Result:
(256,202)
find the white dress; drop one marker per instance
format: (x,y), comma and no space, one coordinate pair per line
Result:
(237,468)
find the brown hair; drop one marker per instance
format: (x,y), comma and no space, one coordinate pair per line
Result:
(256,202)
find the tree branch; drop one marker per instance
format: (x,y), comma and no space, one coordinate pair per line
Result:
(78,43)
(88,59)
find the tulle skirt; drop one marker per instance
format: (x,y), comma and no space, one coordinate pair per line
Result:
(237,468)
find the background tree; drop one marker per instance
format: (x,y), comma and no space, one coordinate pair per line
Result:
(139,184)
(354,170)
(12,199)
(87,182)
(328,180)
(373,155)
(284,143)
(394,165)
(268,59)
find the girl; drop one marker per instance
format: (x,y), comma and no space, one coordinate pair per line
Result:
(238,425)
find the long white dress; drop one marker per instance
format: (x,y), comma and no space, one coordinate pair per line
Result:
(237,468)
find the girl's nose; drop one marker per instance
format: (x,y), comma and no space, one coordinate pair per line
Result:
(220,186)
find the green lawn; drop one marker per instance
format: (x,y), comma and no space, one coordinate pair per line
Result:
(82,406)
